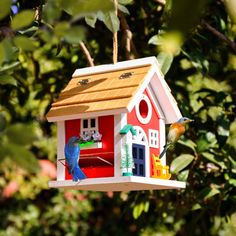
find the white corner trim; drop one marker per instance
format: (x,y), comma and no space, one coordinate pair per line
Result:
(144,120)
(162,139)
(119,122)
(60,150)
(117,66)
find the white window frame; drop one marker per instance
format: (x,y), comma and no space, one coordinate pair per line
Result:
(149,115)
(90,130)
(153,137)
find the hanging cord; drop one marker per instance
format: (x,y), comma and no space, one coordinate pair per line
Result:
(115,38)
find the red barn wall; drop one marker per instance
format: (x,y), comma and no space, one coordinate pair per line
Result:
(93,167)
(153,124)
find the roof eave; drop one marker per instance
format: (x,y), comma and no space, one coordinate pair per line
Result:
(86,115)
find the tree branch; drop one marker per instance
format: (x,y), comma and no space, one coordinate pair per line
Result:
(87,54)
(221,36)
(38,13)
(129,44)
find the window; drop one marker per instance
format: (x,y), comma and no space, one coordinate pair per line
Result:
(89,126)
(144,110)
(153,138)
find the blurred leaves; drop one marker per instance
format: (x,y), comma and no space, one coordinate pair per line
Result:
(15,142)
(180,163)
(231,8)
(139,208)
(110,20)
(5,8)
(165,60)
(22,19)
(83,8)
(7,79)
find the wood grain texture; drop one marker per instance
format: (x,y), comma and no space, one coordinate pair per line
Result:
(104,91)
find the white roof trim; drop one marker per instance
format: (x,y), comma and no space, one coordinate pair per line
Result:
(165,98)
(155,102)
(142,87)
(118,66)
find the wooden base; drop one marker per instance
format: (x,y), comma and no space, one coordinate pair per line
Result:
(123,183)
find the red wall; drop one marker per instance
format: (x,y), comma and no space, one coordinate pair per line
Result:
(93,167)
(153,124)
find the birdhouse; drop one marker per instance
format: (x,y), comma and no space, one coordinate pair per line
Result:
(119,112)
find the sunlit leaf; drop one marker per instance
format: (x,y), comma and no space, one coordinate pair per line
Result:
(232,182)
(231,8)
(125,2)
(138,209)
(188,143)
(5,6)
(75,34)
(196,206)
(8,67)
(208,192)
(165,60)
(156,40)
(206,141)
(111,21)
(7,51)
(7,79)
(181,162)
(84,8)
(183,175)
(22,19)
(91,20)
(146,206)
(24,43)
(61,29)
(123,9)
(52,11)
(213,158)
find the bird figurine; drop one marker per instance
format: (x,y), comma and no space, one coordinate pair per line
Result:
(175,131)
(72,154)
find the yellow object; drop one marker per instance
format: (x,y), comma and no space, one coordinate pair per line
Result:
(159,171)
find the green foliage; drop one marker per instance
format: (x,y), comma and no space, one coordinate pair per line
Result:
(5,8)
(23,19)
(181,162)
(37,58)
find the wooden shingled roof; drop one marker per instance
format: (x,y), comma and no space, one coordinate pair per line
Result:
(99,92)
